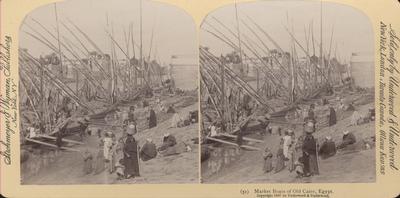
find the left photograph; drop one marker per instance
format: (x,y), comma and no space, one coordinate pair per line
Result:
(108,94)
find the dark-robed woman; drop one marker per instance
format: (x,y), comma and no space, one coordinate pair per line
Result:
(310,155)
(131,161)
(332,116)
(152,118)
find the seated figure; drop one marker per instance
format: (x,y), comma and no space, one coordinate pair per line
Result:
(348,139)
(168,141)
(148,150)
(328,148)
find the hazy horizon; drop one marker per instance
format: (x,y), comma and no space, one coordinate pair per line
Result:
(174,30)
(352,30)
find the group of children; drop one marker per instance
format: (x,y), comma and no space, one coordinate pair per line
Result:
(307,163)
(285,155)
(109,156)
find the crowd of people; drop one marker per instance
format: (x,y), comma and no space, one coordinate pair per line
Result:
(301,154)
(121,156)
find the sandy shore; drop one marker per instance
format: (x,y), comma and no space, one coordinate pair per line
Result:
(182,168)
(352,167)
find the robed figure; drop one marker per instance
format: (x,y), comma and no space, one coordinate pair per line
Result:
(267,160)
(280,159)
(131,160)
(332,116)
(152,119)
(310,155)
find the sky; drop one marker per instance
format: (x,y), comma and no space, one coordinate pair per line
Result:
(352,30)
(174,30)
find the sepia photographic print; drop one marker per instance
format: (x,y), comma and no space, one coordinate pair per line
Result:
(108,94)
(287,94)
(199,98)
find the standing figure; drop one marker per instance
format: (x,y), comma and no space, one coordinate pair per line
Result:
(131,161)
(131,114)
(112,152)
(124,118)
(287,141)
(88,162)
(332,116)
(280,158)
(267,160)
(152,118)
(311,114)
(107,145)
(213,130)
(119,157)
(310,155)
(99,160)
(292,152)
(60,135)
(83,127)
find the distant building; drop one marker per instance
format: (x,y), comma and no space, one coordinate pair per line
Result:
(184,71)
(362,69)
(240,69)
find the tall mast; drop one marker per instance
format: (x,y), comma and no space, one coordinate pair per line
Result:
(42,71)
(58,39)
(127,68)
(294,68)
(111,64)
(76,81)
(315,73)
(307,68)
(135,81)
(149,56)
(238,32)
(320,49)
(114,66)
(291,66)
(223,89)
(329,56)
(141,41)
(42,95)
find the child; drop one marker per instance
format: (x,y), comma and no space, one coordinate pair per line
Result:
(267,160)
(299,167)
(291,159)
(100,160)
(88,162)
(287,141)
(107,143)
(119,169)
(280,158)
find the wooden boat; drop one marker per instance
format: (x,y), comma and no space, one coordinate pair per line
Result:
(283,112)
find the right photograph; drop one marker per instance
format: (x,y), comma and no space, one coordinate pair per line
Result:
(287,94)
